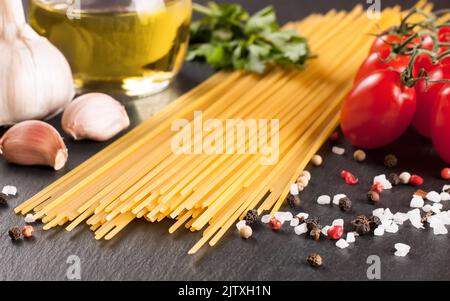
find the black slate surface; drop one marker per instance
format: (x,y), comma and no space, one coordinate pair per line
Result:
(147,252)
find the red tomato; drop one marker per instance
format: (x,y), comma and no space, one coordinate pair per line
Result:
(378,110)
(375,62)
(384,42)
(427,95)
(440,124)
(444,37)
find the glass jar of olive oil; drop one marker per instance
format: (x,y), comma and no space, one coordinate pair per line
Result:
(130,46)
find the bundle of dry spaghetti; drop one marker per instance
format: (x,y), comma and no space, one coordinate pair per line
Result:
(140,176)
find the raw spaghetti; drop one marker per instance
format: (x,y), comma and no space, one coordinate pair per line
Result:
(139,176)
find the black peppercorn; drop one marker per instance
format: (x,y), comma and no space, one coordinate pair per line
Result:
(394,179)
(361,224)
(390,160)
(15,233)
(251,217)
(3,201)
(313,223)
(293,201)
(315,233)
(374,222)
(315,260)
(373,196)
(345,204)
(426,217)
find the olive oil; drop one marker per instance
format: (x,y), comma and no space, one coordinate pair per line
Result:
(112,45)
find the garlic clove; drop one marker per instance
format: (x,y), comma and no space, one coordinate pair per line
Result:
(94,116)
(34,143)
(35,78)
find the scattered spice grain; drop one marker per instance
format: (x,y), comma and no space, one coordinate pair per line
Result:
(394,179)
(359,155)
(27,231)
(345,204)
(317,160)
(251,217)
(15,233)
(315,233)
(390,161)
(361,224)
(275,224)
(315,260)
(246,232)
(373,196)
(293,201)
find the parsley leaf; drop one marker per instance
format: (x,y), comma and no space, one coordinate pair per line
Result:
(227,37)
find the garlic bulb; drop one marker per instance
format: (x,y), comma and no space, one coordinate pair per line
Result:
(94,116)
(35,78)
(34,143)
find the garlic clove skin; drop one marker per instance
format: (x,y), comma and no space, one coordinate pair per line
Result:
(34,143)
(94,116)
(35,78)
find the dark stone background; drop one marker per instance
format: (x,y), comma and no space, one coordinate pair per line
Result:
(147,252)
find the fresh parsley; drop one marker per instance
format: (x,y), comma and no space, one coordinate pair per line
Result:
(227,37)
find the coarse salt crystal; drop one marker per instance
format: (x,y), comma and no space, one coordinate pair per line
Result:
(338,150)
(379,231)
(392,228)
(280,216)
(433,196)
(388,214)
(427,208)
(324,200)
(378,212)
(417,202)
(445,196)
(436,208)
(295,222)
(9,190)
(350,237)
(445,188)
(337,198)
(400,218)
(301,229)
(383,181)
(440,230)
(294,189)
(325,230)
(240,224)
(401,249)
(29,219)
(338,222)
(342,244)
(265,218)
(303,215)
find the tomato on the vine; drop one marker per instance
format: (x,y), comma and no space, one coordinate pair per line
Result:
(376,61)
(378,110)
(444,37)
(385,42)
(440,125)
(427,95)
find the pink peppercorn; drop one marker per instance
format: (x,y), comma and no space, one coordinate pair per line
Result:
(335,232)
(445,173)
(27,231)
(377,187)
(275,224)
(416,180)
(349,178)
